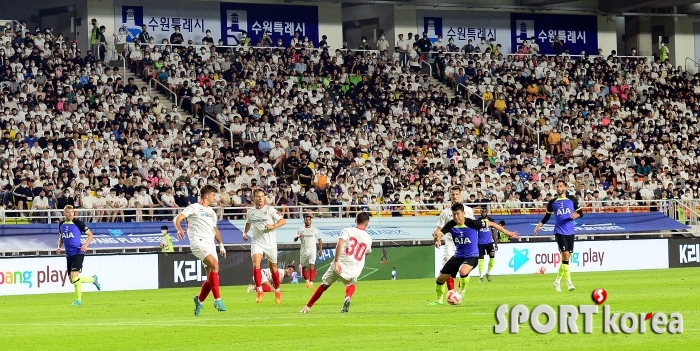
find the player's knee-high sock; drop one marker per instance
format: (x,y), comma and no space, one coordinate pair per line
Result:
(204,292)
(266,288)
(492,262)
(317,295)
(481,267)
(312,274)
(349,290)
(450,283)
(77,284)
(440,290)
(86,279)
(560,273)
(305,273)
(213,279)
(567,271)
(257,277)
(276,279)
(463,282)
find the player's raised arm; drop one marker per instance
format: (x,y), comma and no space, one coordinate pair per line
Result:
(60,240)
(217,237)
(338,250)
(503,229)
(444,230)
(84,229)
(578,211)
(177,223)
(550,210)
(279,220)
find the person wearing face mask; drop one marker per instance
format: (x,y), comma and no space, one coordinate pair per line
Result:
(166,242)
(364,45)
(382,43)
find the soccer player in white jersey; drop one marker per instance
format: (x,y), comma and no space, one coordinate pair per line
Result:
(310,237)
(446,216)
(350,252)
(261,221)
(202,231)
(267,278)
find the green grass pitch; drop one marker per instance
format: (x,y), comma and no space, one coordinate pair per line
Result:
(385,315)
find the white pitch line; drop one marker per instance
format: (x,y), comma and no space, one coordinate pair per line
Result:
(190,324)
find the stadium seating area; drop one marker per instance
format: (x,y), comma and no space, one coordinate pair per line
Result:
(319,127)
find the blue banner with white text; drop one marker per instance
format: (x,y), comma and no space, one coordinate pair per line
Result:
(576,33)
(278,21)
(148,234)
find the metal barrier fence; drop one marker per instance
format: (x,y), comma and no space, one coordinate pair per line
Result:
(685,211)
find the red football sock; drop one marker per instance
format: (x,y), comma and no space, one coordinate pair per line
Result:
(317,295)
(257,276)
(305,273)
(312,276)
(276,279)
(450,284)
(214,283)
(267,288)
(206,288)
(349,290)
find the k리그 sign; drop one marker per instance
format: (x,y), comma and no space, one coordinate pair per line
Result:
(683,253)
(46,275)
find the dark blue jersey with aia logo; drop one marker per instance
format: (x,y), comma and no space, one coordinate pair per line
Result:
(465,237)
(71,231)
(562,208)
(485,233)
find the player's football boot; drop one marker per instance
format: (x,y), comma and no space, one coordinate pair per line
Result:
(571,286)
(278,297)
(481,279)
(557,286)
(435,303)
(346,306)
(77,303)
(251,288)
(260,296)
(96,283)
(306,309)
(488,277)
(219,305)
(309,285)
(197,306)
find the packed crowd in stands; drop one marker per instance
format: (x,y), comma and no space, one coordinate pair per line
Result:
(319,126)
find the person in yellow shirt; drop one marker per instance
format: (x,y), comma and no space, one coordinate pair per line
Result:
(499,110)
(554,139)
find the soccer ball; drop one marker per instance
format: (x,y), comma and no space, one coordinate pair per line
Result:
(454,297)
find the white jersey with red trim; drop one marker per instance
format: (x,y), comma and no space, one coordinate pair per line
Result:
(357,244)
(258,219)
(201,221)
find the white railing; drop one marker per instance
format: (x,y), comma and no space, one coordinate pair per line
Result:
(118,54)
(691,60)
(668,207)
(483,102)
(204,119)
(157,83)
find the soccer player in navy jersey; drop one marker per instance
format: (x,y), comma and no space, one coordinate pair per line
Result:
(69,232)
(565,209)
(487,246)
(465,234)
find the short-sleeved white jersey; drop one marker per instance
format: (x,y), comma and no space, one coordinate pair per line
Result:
(309,238)
(357,244)
(201,221)
(446,215)
(258,218)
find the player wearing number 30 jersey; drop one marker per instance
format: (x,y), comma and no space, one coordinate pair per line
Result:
(350,252)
